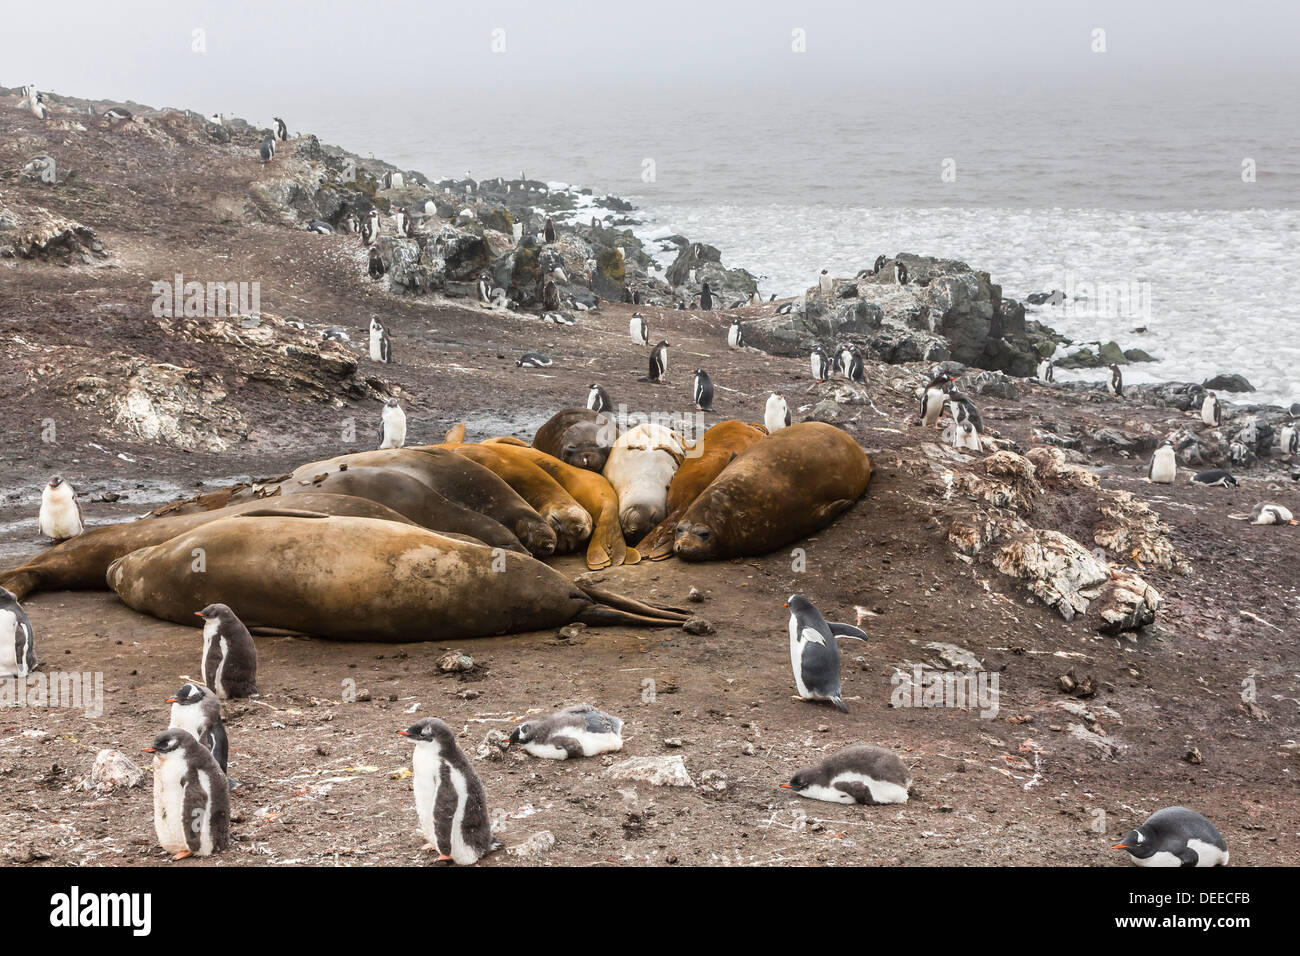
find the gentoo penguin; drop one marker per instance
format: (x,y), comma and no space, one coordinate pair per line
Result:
(198,710)
(392,429)
(191,799)
(1045,369)
(860,773)
(533,360)
(844,358)
(281,131)
(352,224)
(821,366)
(370,228)
(785,308)
(117,113)
(1211,410)
(637,329)
(579,730)
(706,298)
(1175,836)
(755,298)
(376,266)
(548,231)
(60,515)
(853,365)
(962,434)
(934,397)
(825,282)
(1115,384)
(814,655)
(401,223)
(381,348)
(17,641)
(900,273)
(321,227)
(880,264)
(659,361)
(229,662)
(36,106)
(702,391)
(1263,514)
(266,152)
(1164,464)
(1289,439)
(484,288)
(777,414)
(550,295)
(735,334)
(335,334)
(964,410)
(598,399)
(449,797)
(1214,477)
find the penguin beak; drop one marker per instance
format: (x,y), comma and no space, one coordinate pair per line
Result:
(404,733)
(786,604)
(171,700)
(147,750)
(787,786)
(1120,846)
(198,613)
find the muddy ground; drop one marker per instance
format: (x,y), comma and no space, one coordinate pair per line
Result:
(322,777)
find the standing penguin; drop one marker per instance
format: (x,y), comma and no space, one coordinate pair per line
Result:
(1175,836)
(814,655)
(1211,410)
(229,663)
(706,298)
(963,409)
(401,223)
(933,398)
(900,273)
(879,264)
(392,428)
(859,773)
(853,367)
(702,391)
(1115,384)
(821,366)
(1045,369)
(266,152)
(637,330)
(281,131)
(1164,464)
(191,799)
(659,361)
(1289,439)
(370,228)
(60,514)
(449,797)
(484,287)
(824,282)
(381,349)
(579,730)
(550,296)
(777,413)
(548,231)
(376,265)
(598,399)
(844,358)
(735,334)
(17,641)
(197,710)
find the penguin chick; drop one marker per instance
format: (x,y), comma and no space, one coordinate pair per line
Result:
(60,515)
(1164,464)
(777,414)
(191,799)
(814,655)
(1175,836)
(449,797)
(857,774)
(229,663)
(392,429)
(17,640)
(197,709)
(579,730)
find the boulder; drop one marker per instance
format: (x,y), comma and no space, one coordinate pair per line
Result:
(1230,382)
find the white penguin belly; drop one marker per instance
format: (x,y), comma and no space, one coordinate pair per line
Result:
(223,648)
(588,743)
(796,659)
(59,519)
(828,794)
(205,822)
(169,804)
(461,851)
(376,347)
(1208,853)
(426,767)
(209,632)
(1163,858)
(187,718)
(933,405)
(1164,466)
(9,664)
(882,791)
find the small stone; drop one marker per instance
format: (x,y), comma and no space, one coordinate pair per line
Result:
(672,741)
(696,596)
(570,631)
(538,844)
(455,663)
(823,728)
(667,771)
(470,694)
(747,749)
(363,696)
(1193,756)
(698,625)
(111,770)
(714,780)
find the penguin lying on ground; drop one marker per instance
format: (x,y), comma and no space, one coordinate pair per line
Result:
(229,663)
(1175,836)
(1215,477)
(60,515)
(1263,513)
(857,774)
(191,799)
(449,797)
(197,710)
(533,360)
(579,730)
(17,640)
(814,655)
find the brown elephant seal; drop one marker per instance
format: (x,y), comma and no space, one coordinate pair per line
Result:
(570,520)
(79,563)
(578,437)
(607,545)
(409,496)
(779,490)
(458,478)
(716,449)
(364,580)
(640,468)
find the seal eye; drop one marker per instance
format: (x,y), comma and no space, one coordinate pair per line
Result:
(704,534)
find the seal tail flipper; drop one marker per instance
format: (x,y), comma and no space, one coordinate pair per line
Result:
(455,435)
(21,581)
(602,614)
(658,544)
(624,603)
(281,513)
(631,556)
(505,440)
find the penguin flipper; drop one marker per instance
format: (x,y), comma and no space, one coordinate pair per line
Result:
(1188,856)
(846,630)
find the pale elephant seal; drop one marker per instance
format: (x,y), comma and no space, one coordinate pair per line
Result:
(79,563)
(779,490)
(640,468)
(362,579)
(578,437)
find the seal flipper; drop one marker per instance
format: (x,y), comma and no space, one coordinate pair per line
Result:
(21,581)
(506,440)
(281,513)
(832,510)
(625,603)
(455,435)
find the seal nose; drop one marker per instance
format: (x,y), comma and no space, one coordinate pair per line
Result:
(637,520)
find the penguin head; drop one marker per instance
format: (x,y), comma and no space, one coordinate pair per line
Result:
(1138,844)
(431,730)
(215,612)
(800,782)
(188,694)
(391,403)
(167,744)
(56,481)
(524,732)
(798,604)
(699,372)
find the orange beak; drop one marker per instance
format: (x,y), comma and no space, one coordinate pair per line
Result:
(198,613)
(1120,846)
(786,604)
(787,786)
(147,750)
(171,700)
(404,733)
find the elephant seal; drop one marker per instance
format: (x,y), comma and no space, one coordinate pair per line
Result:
(409,496)
(640,468)
(779,490)
(362,579)
(463,481)
(717,448)
(79,563)
(578,437)
(607,545)
(571,521)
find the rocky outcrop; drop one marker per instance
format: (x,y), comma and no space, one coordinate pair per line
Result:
(37,233)
(698,263)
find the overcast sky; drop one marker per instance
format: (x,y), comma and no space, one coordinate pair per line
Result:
(588,55)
